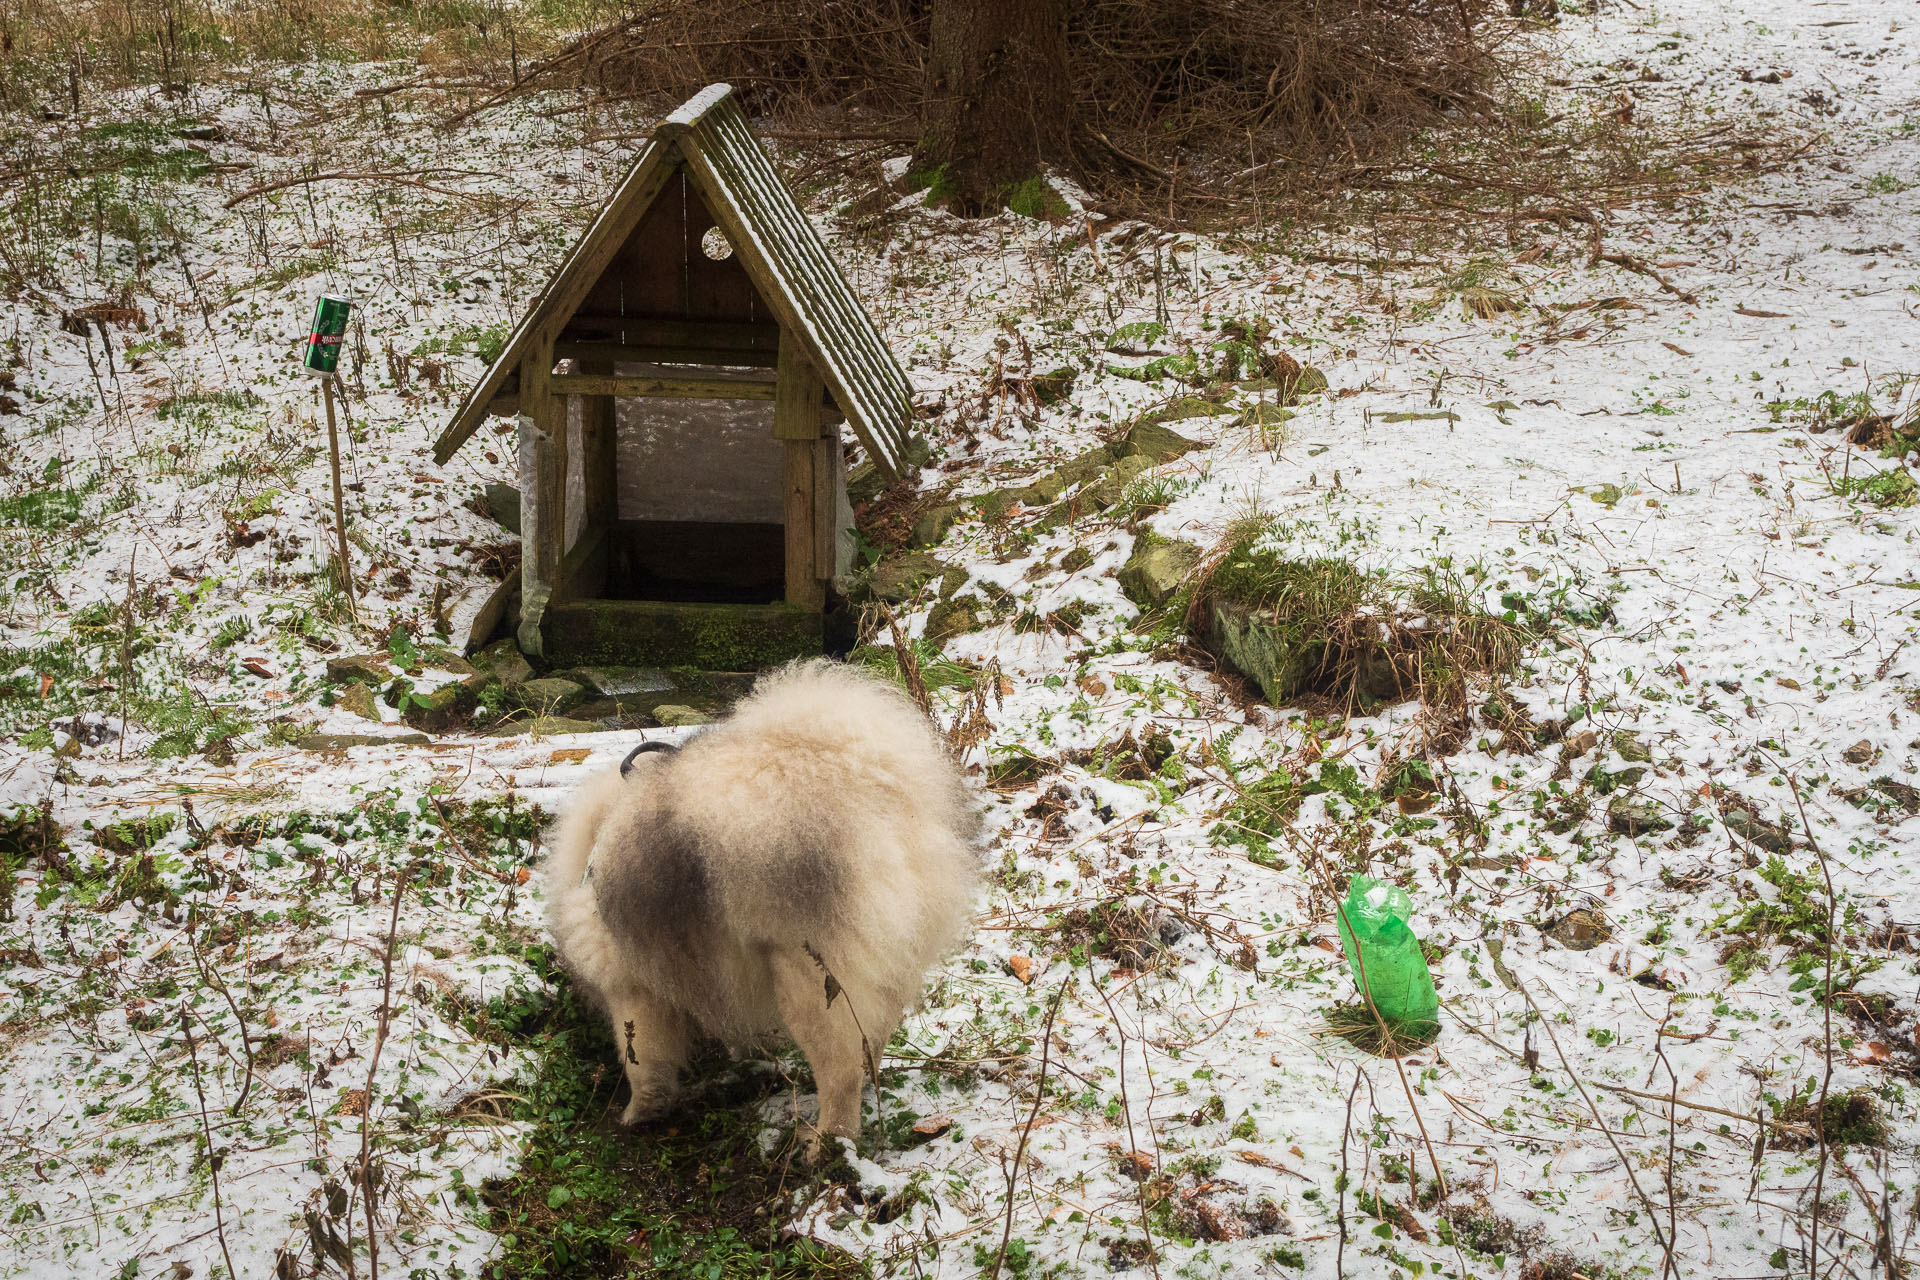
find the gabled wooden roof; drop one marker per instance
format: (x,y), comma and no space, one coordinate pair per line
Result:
(779,248)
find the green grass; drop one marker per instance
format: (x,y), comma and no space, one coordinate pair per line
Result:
(689,1196)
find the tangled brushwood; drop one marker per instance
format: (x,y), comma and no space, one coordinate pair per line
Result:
(1168,102)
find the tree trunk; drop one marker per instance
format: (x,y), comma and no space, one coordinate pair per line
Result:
(997,107)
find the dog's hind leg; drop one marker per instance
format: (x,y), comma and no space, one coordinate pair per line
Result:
(830,1036)
(651,1038)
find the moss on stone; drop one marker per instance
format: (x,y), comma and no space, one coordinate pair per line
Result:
(716,637)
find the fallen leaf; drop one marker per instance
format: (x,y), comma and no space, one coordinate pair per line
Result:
(1021,967)
(569,755)
(1760,315)
(522,876)
(1326,944)
(1677,350)
(257,667)
(46,685)
(933,1126)
(1874,1051)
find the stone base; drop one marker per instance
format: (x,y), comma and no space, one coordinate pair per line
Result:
(651,633)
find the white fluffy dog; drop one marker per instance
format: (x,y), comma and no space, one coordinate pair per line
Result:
(798,866)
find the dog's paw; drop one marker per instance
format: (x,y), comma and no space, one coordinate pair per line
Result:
(642,1109)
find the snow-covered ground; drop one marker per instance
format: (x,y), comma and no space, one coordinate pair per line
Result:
(1607,443)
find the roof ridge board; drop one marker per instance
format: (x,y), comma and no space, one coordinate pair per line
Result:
(868,360)
(839,290)
(795,281)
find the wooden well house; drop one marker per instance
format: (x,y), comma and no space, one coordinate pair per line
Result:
(679,385)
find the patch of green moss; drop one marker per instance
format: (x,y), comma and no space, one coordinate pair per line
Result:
(646,633)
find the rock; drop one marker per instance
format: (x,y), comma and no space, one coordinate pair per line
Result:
(503,658)
(356,699)
(619,682)
(1581,929)
(933,524)
(1148,439)
(1085,468)
(544,727)
(550,696)
(1112,487)
(341,741)
(1633,816)
(504,501)
(1751,827)
(1607,781)
(447,706)
(1310,381)
(1076,560)
(864,483)
(1156,568)
(896,579)
(955,617)
(1860,752)
(1629,747)
(1051,388)
(675,716)
(1579,744)
(369,668)
(1265,415)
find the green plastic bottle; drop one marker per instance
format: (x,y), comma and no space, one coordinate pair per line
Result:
(1374,932)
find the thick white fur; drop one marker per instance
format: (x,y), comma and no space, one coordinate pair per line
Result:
(820,829)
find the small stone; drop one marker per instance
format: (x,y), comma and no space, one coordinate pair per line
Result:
(551,696)
(1149,439)
(896,578)
(504,659)
(1581,929)
(675,716)
(1630,816)
(1581,743)
(356,699)
(619,682)
(933,524)
(1860,752)
(503,500)
(1265,415)
(1752,827)
(443,708)
(341,741)
(372,668)
(952,618)
(1629,747)
(1076,560)
(1155,570)
(544,727)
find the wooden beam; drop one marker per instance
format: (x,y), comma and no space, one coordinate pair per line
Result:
(804,587)
(543,530)
(798,394)
(690,388)
(721,335)
(598,470)
(628,353)
(826,489)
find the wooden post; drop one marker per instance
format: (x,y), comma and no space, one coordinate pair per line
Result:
(598,460)
(339,500)
(797,402)
(544,529)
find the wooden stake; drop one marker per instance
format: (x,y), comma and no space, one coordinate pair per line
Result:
(339,502)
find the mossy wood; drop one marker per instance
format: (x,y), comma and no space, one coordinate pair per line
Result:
(678,385)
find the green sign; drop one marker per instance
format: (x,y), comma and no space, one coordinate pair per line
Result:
(323,344)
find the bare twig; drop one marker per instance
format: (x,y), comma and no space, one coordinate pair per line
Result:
(1653,1218)
(1133,1143)
(214,1158)
(1826,1007)
(1026,1130)
(373,1065)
